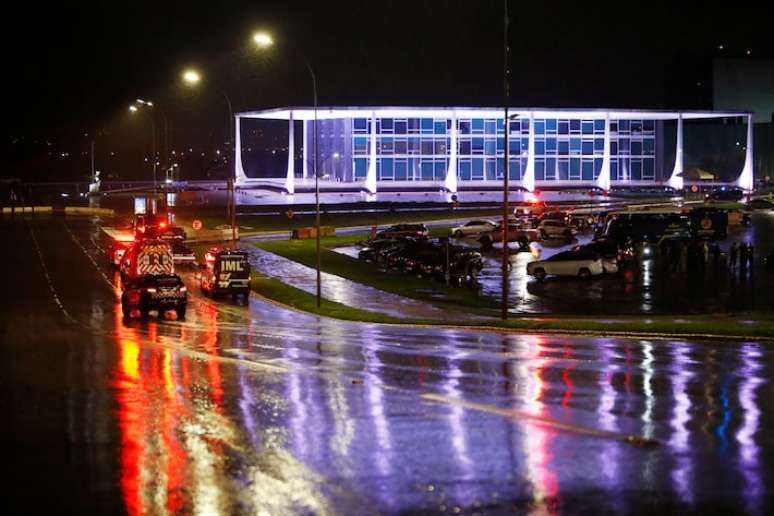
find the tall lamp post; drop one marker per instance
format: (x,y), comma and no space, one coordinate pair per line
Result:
(264,40)
(506,120)
(147,104)
(192,78)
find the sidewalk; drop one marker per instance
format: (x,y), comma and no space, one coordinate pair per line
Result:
(344,291)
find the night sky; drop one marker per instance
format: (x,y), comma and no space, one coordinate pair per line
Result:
(72,70)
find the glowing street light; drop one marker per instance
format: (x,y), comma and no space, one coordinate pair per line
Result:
(133,108)
(263,39)
(191,77)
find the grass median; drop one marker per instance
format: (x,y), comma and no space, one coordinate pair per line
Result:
(660,326)
(423,289)
(281,222)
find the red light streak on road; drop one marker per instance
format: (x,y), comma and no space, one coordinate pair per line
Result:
(538,439)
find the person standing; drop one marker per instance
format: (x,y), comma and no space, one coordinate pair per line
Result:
(750,258)
(743,255)
(732,256)
(715,254)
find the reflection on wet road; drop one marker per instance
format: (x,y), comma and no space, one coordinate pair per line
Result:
(259,409)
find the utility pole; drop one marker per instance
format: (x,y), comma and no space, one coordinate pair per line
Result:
(506,102)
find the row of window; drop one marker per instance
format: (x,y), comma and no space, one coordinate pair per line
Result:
(494,126)
(548,169)
(388,145)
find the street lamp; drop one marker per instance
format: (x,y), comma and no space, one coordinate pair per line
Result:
(192,78)
(264,40)
(147,104)
(506,129)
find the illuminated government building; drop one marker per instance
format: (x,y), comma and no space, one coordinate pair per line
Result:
(375,148)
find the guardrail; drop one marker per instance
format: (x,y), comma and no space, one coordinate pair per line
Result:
(66,210)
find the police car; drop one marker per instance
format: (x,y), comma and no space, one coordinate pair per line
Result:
(159,292)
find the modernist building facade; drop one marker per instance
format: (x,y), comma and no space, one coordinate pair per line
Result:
(450,147)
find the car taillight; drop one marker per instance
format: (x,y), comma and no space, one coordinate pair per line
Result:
(150,290)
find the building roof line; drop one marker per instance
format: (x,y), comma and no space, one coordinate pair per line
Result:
(335,112)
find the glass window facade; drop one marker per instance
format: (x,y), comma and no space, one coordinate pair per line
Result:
(419,148)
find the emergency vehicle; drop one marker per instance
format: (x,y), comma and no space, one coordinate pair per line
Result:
(225,271)
(147,257)
(159,292)
(149,280)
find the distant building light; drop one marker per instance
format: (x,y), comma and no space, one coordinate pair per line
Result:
(748,52)
(721,47)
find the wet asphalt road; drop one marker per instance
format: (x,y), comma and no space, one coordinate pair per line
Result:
(245,409)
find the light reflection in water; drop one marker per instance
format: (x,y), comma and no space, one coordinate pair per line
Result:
(452,388)
(679,441)
(748,459)
(537,439)
(607,420)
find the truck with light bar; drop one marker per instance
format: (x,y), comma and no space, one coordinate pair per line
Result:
(147,257)
(225,272)
(149,280)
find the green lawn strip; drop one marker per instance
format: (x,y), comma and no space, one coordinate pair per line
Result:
(342,220)
(424,289)
(276,290)
(282,293)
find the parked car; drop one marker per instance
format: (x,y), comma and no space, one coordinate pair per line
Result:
(403,230)
(553,228)
(373,247)
(582,264)
(613,254)
(725,193)
(473,228)
(516,233)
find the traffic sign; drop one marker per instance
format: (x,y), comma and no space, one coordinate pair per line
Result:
(196,224)
(694,188)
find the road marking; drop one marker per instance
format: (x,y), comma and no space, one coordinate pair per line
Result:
(50,283)
(520,414)
(113,287)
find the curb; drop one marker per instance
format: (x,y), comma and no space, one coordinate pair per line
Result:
(535,331)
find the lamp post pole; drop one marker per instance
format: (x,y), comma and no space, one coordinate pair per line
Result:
(316,182)
(232,172)
(506,102)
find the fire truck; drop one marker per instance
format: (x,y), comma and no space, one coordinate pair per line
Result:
(225,271)
(149,280)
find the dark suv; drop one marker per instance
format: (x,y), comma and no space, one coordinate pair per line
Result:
(403,230)
(726,194)
(160,292)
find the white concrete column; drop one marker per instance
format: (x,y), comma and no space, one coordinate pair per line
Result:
(746,179)
(528,179)
(241,177)
(306,151)
(603,180)
(451,172)
(290,178)
(370,182)
(676,180)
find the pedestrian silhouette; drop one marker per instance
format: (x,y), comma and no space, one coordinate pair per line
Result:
(732,256)
(750,258)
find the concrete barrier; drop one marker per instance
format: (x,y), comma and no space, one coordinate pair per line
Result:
(82,210)
(311,232)
(27,209)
